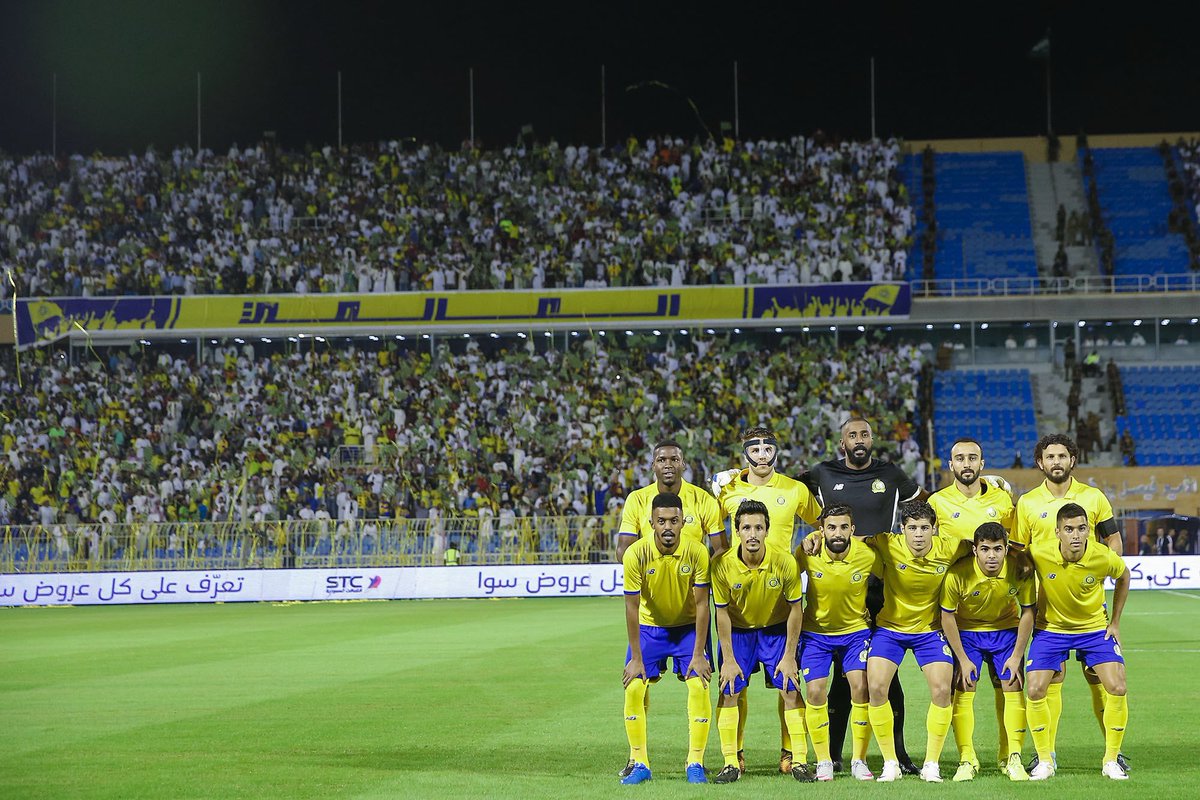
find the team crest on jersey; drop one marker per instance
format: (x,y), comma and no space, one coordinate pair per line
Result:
(773,583)
(856,577)
(991,511)
(862,656)
(946,649)
(941,568)
(685,569)
(877,486)
(1089,580)
(1012,590)
(1116,649)
(689,519)
(781,500)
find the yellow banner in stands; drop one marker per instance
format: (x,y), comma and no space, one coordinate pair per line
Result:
(44,320)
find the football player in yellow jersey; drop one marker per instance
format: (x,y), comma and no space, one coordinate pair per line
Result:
(786,500)
(702,519)
(1071,616)
(987,615)
(1056,456)
(756,590)
(666,616)
(968,502)
(836,625)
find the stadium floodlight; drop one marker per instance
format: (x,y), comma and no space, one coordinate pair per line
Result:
(862,328)
(400,337)
(1082,322)
(657,332)
(983,326)
(1166,322)
(144,341)
(833,328)
(321,339)
(373,338)
(574,333)
(521,335)
(928,326)
(293,339)
(1195,320)
(603,333)
(548,334)
(1108,324)
(958,326)
(212,341)
(1053,324)
(737,330)
(683,331)
(424,335)
(183,341)
(629,333)
(265,339)
(779,330)
(1137,323)
(466,336)
(709,331)
(494,335)
(243,341)
(805,329)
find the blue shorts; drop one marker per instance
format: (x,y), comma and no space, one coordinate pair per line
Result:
(996,646)
(659,644)
(754,646)
(927,648)
(1049,650)
(817,651)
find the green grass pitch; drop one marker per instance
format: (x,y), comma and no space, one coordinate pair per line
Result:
(466,698)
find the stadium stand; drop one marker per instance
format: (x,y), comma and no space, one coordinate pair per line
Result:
(993,406)
(1135,204)
(144,436)
(1163,405)
(982,212)
(394,217)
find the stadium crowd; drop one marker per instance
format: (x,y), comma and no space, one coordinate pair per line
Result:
(137,436)
(397,217)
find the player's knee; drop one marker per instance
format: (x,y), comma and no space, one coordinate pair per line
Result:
(1116,686)
(940,696)
(878,692)
(817,695)
(636,690)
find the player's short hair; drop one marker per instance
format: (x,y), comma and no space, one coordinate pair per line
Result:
(666,500)
(966,440)
(853,418)
(836,510)
(1069,511)
(917,509)
(1055,438)
(991,532)
(757,432)
(749,509)
(659,445)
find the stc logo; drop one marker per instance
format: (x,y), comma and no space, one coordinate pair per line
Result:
(351,584)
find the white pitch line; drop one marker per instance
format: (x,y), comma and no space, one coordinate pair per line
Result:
(1156,650)
(1182,594)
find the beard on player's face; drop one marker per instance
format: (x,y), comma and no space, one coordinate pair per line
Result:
(966,476)
(837,543)
(859,455)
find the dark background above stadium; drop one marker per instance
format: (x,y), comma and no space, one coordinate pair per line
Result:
(126,71)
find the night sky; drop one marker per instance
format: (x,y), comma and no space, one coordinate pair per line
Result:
(127,71)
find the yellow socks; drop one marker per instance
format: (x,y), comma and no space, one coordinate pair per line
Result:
(964,726)
(860,730)
(792,731)
(1054,701)
(1039,725)
(817,718)
(727,728)
(1098,696)
(1014,722)
(743,712)
(1116,715)
(937,725)
(699,711)
(881,726)
(635,720)
(1002,748)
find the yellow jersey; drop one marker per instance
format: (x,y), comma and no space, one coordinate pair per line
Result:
(1036,511)
(701,517)
(664,582)
(959,515)
(755,597)
(1073,593)
(982,603)
(912,586)
(836,597)
(785,499)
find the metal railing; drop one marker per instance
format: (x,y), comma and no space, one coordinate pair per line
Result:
(298,544)
(1081,285)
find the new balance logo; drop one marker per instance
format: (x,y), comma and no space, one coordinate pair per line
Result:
(633,718)
(839,486)
(701,720)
